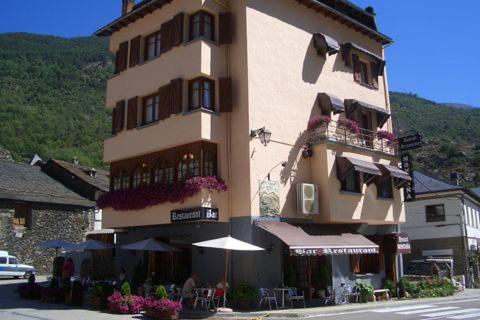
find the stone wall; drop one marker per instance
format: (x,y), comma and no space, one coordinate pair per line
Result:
(47,224)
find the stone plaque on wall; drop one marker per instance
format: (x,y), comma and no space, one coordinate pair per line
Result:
(269,198)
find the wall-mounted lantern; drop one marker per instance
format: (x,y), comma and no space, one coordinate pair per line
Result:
(263,134)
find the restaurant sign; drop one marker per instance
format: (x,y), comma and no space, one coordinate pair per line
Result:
(333,251)
(409,188)
(403,244)
(410,142)
(194,214)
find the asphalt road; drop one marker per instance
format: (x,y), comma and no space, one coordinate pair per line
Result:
(468,309)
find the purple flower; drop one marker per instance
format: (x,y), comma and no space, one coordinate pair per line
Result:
(386,135)
(349,125)
(129,304)
(163,305)
(318,121)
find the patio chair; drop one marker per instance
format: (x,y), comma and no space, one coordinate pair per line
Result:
(206,300)
(330,296)
(294,296)
(267,296)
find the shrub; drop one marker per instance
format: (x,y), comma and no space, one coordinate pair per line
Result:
(245,293)
(388,284)
(161,293)
(125,289)
(428,287)
(366,290)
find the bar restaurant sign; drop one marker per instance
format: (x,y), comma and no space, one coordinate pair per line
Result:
(194,215)
(403,243)
(410,142)
(333,251)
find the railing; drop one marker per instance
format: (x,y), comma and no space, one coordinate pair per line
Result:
(338,133)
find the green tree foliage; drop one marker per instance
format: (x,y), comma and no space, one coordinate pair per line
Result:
(52,93)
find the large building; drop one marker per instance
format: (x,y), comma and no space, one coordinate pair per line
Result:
(287,102)
(444,222)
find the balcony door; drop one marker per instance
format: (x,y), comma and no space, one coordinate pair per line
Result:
(366,125)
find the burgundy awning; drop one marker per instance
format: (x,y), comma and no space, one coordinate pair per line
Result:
(311,243)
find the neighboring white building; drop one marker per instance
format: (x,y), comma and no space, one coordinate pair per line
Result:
(444,221)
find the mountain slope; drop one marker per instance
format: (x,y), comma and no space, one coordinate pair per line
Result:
(452,135)
(52,96)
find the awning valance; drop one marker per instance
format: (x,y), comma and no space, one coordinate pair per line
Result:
(399,176)
(349,46)
(330,103)
(346,164)
(324,240)
(325,44)
(382,114)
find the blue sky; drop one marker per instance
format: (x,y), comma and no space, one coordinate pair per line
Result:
(435,53)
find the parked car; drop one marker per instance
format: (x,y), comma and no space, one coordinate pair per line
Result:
(9,267)
(426,267)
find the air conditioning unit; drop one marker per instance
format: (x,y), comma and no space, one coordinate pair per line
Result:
(307,198)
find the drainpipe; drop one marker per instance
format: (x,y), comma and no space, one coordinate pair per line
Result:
(463,227)
(400,259)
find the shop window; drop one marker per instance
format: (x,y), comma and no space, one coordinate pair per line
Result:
(351,183)
(22,216)
(201,94)
(435,213)
(209,162)
(202,25)
(365,263)
(188,167)
(150,109)
(141,177)
(152,46)
(385,189)
(163,173)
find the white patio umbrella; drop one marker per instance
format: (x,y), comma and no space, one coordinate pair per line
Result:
(228,244)
(55,244)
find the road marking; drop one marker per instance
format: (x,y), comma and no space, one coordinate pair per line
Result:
(465,316)
(447,313)
(428,310)
(422,306)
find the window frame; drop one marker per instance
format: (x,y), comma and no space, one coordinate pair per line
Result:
(388,183)
(163,165)
(23,217)
(201,93)
(358,182)
(144,178)
(201,32)
(155,111)
(157,45)
(435,218)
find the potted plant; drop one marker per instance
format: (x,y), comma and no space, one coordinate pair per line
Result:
(245,295)
(349,125)
(366,291)
(162,308)
(124,302)
(389,137)
(318,121)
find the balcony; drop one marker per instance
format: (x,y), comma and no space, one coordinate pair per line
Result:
(337,132)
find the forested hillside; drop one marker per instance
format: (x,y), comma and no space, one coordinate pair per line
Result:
(52,103)
(52,96)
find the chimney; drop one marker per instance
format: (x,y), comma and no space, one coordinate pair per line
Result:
(127,6)
(75,161)
(455,177)
(93,173)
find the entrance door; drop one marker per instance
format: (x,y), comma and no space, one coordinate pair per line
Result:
(367,129)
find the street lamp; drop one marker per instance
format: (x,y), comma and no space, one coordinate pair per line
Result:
(263,134)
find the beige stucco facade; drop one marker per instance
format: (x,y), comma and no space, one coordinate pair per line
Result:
(276,77)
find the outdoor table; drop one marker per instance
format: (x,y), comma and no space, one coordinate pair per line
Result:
(282,290)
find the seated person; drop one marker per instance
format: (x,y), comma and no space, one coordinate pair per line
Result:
(187,290)
(222,287)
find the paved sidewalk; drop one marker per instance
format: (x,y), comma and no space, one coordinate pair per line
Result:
(339,309)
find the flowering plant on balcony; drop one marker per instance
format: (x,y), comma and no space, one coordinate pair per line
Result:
(318,121)
(349,125)
(388,136)
(147,196)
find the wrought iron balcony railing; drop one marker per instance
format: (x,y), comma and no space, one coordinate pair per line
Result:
(365,139)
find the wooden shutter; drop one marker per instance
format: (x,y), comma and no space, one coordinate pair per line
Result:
(132,113)
(225,90)
(166,34)
(164,102)
(118,117)
(356,68)
(225,26)
(374,67)
(122,54)
(177,32)
(135,51)
(176,96)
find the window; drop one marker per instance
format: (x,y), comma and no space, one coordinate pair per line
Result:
(152,46)
(364,73)
(351,183)
(22,216)
(385,189)
(141,176)
(188,167)
(435,213)
(12,260)
(202,94)
(202,25)
(209,163)
(120,182)
(365,263)
(3,260)
(163,173)
(150,109)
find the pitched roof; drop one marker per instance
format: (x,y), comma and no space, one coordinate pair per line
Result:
(427,184)
(28,183)
(101,180)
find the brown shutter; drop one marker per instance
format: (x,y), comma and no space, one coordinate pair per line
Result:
(225,25)
(119,114)
(374,68)
(166,34)
(114,120)
(122,55)
(135,51)
(177,32)
(225,90)
(176,96)
(356,68)
(164,102)
(132,113)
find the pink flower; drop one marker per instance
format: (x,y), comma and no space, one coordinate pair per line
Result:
(349,125)
(163,305)
(317,121)
(130,304)
(386,135)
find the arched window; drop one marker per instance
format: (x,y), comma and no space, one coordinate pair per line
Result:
(163,172)
(188,167)
(209,163)
(120,181)
(141,176)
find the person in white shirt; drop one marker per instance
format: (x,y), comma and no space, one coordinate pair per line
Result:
(222,285)
(187,290)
